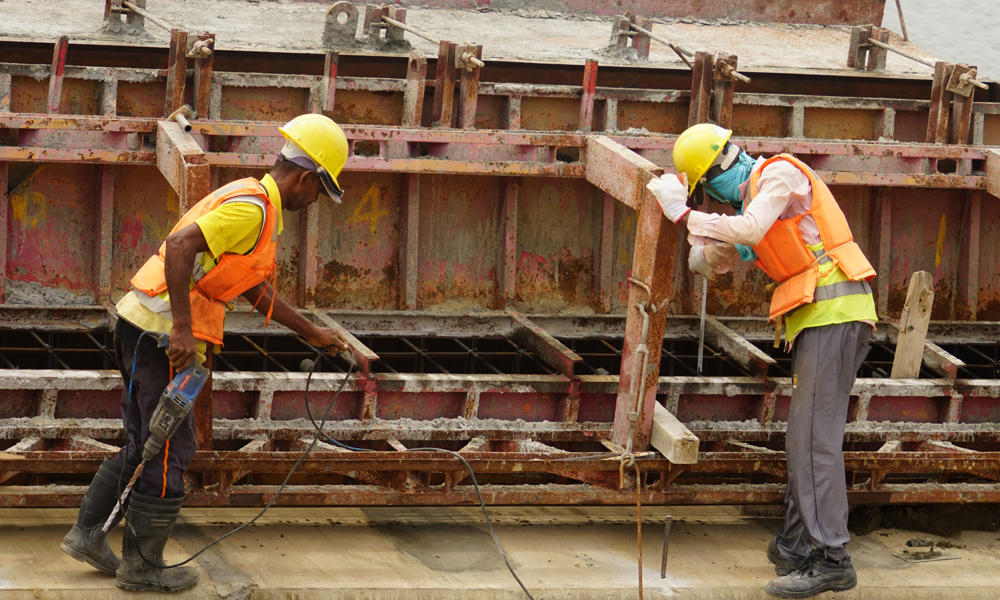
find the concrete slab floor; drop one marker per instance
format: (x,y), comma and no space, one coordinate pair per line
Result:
(573,553)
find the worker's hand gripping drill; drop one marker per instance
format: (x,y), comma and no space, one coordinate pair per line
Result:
(175,404)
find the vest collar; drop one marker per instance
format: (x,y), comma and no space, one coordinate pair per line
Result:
(271,186)
(756,167)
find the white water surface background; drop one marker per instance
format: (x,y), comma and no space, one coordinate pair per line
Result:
(953,30)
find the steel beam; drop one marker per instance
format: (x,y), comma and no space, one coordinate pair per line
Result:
(182,162)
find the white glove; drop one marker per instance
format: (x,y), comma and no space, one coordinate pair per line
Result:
(698,263)
(671,194)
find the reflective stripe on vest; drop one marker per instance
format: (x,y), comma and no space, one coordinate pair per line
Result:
(840,289)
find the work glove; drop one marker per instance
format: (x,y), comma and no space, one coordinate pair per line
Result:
(698,263)
(671,194)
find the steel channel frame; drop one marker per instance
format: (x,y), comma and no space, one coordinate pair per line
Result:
(631,194)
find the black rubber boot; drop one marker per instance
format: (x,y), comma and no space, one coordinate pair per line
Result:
(86,542)
(147,529)
(782,567)
(815,576)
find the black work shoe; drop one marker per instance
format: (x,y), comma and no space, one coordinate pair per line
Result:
(147,528)
(87,542)
(815,576)
(781,566)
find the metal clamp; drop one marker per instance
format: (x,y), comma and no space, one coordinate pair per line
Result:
(726,71)
(465,58)
(200,48)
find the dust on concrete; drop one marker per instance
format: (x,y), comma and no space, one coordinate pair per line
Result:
(31,293)
(936,519)
(447,548)
(528,33)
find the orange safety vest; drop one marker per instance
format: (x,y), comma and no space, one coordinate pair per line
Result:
(232,275)
(784,256)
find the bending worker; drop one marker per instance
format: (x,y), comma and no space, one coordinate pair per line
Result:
(789,224)
(222,248)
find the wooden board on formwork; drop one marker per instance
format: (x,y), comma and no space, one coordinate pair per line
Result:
(672,438)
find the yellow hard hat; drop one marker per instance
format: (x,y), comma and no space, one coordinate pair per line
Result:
(697,148)
(325,143)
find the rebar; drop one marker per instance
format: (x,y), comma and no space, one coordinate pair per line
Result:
(677,49)
(902,23)
(142,13)
(405,27)
(923,61)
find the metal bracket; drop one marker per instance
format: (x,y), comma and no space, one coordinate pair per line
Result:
(623,34)
(341,28)
(200,46)
(466,57)
(960,82)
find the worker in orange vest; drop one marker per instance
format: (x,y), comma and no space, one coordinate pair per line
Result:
(789,224)
(223,248)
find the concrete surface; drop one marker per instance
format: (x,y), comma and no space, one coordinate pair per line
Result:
(443,553)
(523,35)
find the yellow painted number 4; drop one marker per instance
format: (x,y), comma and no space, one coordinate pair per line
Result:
(368,210)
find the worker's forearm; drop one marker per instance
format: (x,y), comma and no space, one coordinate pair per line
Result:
(283,312)
(178,263)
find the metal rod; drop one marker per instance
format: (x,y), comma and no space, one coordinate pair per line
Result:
(902,23)
(701,330)
(142,13)
(49,350)
(883,45)
(521,352)
(677,49)
(423,354)
(666,547)
(476,356)
(406,27)
(266,355)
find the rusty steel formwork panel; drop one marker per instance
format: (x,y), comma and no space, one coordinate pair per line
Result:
(493,260)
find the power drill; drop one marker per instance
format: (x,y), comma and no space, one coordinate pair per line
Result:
(176,402)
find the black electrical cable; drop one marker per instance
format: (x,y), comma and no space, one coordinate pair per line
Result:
(319,430)
(128,420)
(465,463)
(320,433)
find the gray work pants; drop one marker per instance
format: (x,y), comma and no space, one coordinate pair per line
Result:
(825,363)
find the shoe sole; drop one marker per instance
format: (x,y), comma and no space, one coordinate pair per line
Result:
(829,587)
(86,558)
(142,587)
(779,569)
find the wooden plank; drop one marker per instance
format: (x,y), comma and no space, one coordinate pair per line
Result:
(550,350)
(672,438)
(619,171)
(940,361)
(734,346)
(363,356)
(913,326)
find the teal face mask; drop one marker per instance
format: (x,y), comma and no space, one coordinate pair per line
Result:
(725,188)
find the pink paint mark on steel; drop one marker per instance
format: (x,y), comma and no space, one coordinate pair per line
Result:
(531,261)
(130,234)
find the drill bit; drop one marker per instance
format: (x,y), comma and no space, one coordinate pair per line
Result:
(124,496)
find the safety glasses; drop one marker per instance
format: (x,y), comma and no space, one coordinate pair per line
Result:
(332,189)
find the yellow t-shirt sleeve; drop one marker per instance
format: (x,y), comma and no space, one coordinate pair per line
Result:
(233,227)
